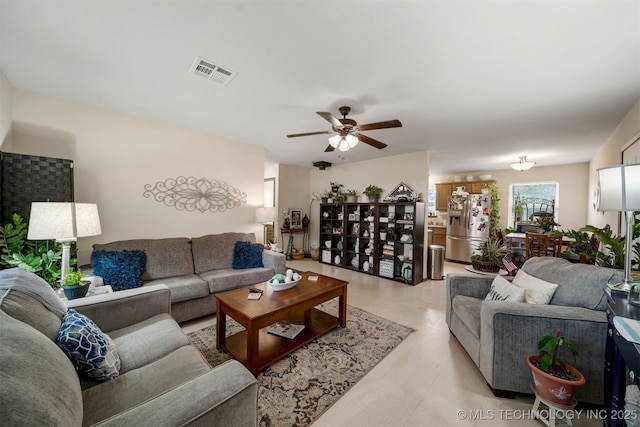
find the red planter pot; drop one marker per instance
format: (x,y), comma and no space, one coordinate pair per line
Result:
(554,389)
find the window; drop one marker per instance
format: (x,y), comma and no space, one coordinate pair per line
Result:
(532,191)
(431,202)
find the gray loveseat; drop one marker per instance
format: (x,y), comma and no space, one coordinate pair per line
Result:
(498,335)
(195,269)
(162,379)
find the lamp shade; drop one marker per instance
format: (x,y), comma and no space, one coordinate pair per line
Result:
(63,221)
(265,215)
(618,188)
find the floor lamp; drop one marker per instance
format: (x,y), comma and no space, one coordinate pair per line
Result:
(63,222)
(266,215)
(620,191)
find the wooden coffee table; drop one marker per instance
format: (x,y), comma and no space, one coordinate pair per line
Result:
(257,349)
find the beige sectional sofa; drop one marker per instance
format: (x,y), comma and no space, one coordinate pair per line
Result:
(196,269)
(162,380)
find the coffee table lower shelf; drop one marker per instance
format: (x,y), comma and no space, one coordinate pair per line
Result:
(272,347)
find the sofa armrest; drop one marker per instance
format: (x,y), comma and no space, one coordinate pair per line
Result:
(510,332)
(225,396)
(274,260)
(471,285)
(123,308)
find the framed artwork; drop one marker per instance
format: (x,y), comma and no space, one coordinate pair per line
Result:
(296,217)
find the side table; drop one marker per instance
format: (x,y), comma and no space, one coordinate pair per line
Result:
(291,231)
(619,355)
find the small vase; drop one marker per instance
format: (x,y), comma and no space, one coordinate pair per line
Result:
(75,291)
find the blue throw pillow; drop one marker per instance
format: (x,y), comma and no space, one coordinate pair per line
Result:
(91,351)
(247,255)
(119,269)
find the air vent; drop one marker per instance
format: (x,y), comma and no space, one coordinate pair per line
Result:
(210,71)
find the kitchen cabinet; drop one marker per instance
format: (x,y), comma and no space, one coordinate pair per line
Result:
(439,235)
(443,191)
(382,239)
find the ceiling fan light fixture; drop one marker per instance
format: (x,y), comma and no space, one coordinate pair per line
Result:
(352,140)
(523,164)
(344,144)
(334,141)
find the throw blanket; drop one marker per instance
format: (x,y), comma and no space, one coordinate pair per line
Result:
(629,329)
(18,280)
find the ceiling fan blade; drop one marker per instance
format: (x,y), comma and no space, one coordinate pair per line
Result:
(323,132)
(329,149)
(368,140)
(330,118)
(381,125)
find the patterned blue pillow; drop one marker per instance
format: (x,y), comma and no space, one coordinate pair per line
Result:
(91,351)
(247,255)
(120,269)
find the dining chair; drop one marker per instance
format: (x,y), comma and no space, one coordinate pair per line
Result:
(538,244)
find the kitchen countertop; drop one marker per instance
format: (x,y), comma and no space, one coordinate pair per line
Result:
(436,226)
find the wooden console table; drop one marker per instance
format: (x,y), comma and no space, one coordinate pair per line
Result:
(286,247)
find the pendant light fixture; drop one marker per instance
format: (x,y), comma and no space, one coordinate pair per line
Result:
(523,164)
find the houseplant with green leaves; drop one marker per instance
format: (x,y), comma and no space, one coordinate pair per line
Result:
(612,255)
(42,257)
(372,192)
(555,380)
(73,286)
(488,256)
(494,218)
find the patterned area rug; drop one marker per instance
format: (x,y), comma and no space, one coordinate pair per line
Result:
(296,390)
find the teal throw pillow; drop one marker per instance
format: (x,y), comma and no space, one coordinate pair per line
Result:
(91,351)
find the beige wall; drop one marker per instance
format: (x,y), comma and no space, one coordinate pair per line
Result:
(387,173)
(611,154)
(573,184)
(293,192)
(116,155)
(6,110)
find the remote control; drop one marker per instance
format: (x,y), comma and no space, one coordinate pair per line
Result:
(256,290)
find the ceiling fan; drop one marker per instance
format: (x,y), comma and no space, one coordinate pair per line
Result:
(347,131)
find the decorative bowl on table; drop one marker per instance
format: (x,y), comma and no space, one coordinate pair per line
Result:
(281,282)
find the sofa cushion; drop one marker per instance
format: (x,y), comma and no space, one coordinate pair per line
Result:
(581,285)
(183,288)
(537,291)
(38,384)
(166,257)
(468,310)
(225,279)
(503,290)
(30,299)
(247,255)
(140,385)
(120,269)
(91,351)
(147,341)
(215,251)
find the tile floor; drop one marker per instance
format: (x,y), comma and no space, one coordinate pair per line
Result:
(428,380)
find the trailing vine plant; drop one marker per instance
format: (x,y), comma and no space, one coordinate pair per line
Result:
(494,220)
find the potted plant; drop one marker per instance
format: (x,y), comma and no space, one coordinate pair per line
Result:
(613,245)
(73,286)
(352,196)
(545,223)
(335,187)
(489,257)
(286,219)
(580,248)
(372,192)
(391,233)
(555,380)
(42,257)
(339,198)
(324,198)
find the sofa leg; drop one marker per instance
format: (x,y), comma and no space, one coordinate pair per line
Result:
(505,394)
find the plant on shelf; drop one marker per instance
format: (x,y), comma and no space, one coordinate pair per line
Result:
(554,379)
(42,257)
(352,195)
(488,256)
(391,233)
(339,198)
(372,192)
(286,219)
(335,187)
(518,210)
(73,286)
(326,195)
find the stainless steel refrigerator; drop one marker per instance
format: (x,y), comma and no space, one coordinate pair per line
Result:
(467,225)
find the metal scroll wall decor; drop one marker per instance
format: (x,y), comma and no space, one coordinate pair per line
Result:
(191,194)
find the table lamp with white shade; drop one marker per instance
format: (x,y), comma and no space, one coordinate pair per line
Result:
(63,222)
(619,190)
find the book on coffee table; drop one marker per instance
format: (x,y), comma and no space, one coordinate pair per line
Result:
(286,329)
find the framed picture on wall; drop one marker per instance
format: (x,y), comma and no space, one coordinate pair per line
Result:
(296,217)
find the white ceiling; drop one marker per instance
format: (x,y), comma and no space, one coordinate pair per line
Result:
(477,83)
